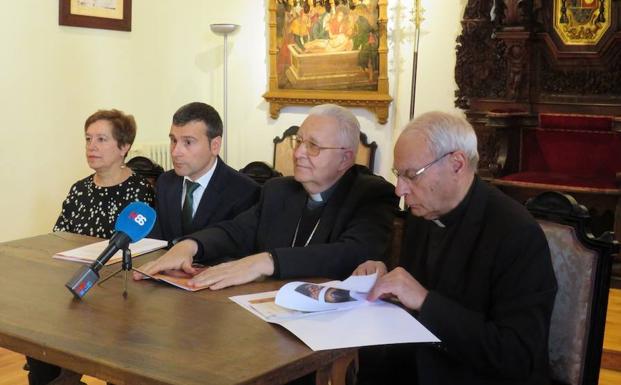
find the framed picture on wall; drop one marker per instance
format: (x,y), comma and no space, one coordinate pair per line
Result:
(104,14)
(328,51)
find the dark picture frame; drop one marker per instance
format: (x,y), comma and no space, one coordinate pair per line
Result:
(94,19)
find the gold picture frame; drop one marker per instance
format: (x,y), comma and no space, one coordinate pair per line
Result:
(103,14)
(582,22)
(328,51)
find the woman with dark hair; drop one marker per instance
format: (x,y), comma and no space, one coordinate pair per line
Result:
(93,203)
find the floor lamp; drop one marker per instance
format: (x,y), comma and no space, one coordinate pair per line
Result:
(224,29)
(417,18)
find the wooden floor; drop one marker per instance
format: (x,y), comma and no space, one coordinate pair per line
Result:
(11,372)
(612,341)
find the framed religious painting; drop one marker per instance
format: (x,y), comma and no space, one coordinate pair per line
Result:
(328,51)
(104,14)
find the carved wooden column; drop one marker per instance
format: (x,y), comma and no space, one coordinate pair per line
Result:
(507,127)
(514,21)
(480,76)
(518,57)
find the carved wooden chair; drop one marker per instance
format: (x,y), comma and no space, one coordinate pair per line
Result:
(582,265)
(396,242)
(260,172)
(283,152)
(146,168)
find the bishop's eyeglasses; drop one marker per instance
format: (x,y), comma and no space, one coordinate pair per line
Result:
(411,175)
(313,149)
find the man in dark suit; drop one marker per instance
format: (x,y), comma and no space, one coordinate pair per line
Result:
(201,190)
(326,220)
(475,268)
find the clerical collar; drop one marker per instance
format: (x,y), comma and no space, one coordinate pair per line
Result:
(316,197)
(320,199)
(454,215)
(438,223)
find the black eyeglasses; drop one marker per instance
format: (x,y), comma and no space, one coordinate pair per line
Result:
(313,149)
(412,174)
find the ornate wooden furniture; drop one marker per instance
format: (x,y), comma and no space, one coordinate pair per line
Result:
(393,257)
(582,265)
(283,152)
(578,154)
(533,78)
(260,172)
(145,167)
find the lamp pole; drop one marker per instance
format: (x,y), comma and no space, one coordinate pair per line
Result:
(224,29)
(417,18)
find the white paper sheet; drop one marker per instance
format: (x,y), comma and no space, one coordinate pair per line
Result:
(88,253)
(304,296)
(380,323)
(361,323)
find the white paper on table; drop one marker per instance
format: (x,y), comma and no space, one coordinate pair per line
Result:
(362,324)
(263,306)
(379,323)
(89,253)
(311,297)
(358,283)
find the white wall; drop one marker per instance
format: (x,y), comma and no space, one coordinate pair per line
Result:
(52,77)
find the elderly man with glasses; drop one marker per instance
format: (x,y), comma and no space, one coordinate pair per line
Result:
(324,221)
(475,268)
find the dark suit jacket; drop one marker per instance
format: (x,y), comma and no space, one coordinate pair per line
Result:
(355,225)
(491,303)
(227,194)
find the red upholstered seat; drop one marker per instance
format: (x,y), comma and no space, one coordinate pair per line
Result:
(576,122)
(570,150)
(559,179)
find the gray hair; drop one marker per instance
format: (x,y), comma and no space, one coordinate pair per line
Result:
(446,133)
(349,127)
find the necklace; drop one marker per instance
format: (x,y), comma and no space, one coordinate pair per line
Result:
(297,228)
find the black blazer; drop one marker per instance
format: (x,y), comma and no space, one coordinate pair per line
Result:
(491,303)
(227,194)
(355,226)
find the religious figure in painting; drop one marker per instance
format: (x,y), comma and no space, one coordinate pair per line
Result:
(327,44)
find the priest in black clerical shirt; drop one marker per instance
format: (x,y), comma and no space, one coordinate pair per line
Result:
(475,269)
(324,221)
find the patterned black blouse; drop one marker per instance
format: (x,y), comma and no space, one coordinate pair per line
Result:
(92,210)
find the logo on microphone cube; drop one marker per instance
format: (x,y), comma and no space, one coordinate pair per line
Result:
(138,218)
(83,288)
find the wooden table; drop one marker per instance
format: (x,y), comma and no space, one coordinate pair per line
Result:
(158,335)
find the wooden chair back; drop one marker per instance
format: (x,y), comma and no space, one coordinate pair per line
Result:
(283,152)
(582,265)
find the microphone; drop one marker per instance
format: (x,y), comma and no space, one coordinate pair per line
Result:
(133,223)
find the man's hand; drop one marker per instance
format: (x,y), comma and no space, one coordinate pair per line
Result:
(370,267)
(179,257)
(235,273)
(400,284)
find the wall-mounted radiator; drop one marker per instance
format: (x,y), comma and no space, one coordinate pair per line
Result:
(158,152)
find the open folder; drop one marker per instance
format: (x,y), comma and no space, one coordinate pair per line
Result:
(336,315)
(89,253)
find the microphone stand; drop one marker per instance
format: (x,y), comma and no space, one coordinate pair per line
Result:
(126,266)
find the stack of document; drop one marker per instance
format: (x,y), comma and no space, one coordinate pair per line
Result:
(336,315)
(89,253)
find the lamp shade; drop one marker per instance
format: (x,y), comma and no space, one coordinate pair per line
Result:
(223,28)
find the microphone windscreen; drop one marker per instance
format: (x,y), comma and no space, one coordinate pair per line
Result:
(136,220)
